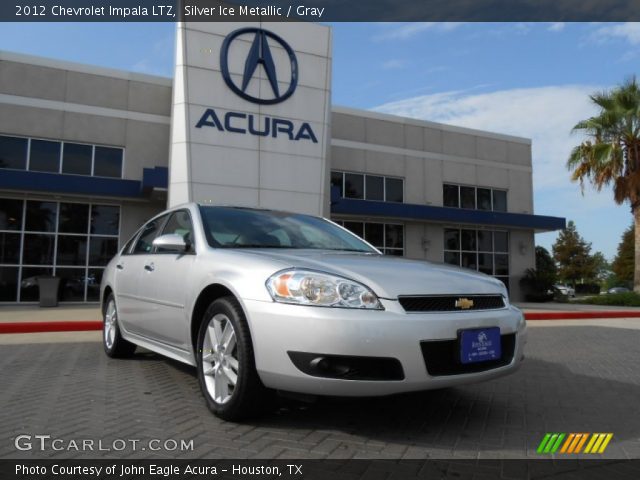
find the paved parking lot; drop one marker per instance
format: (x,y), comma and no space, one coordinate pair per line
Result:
(575,379)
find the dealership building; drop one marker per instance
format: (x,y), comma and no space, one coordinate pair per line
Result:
(87,154)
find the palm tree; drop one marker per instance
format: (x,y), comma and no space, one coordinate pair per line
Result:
(611,153)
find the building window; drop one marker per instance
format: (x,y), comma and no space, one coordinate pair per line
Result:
(76,158)
(386,237)
(368,187)
(13,152)
(353,185)
(39,155)
(44,156)
(486,251)
(375,187)
(484,198)
(394,190)
(475,198)
(451,195)
(499,201)
(73,241)
(337,182)
(467,197)
(107,162)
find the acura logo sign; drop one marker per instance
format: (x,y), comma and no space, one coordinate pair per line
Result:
(260,54)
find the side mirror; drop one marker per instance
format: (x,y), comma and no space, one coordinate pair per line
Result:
(171,242)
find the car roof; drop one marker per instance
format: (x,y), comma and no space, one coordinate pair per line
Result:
(255,209)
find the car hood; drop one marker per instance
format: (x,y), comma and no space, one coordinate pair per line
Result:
(389,277)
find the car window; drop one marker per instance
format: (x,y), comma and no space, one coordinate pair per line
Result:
(126,250)
(179,223)
(228,227)
(144,244)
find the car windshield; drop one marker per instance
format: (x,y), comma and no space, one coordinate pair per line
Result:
(229,227)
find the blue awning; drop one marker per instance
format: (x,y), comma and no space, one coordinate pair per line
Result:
(61,183)
(407,211)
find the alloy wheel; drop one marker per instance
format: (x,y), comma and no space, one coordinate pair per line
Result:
(110,318)
(220,358)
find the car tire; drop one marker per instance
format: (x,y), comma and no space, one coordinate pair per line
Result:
(114,345)
(226,366)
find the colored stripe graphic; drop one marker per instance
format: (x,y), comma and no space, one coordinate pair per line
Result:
(606,442)
(557,444)
(572,443)
(591,442)
(543,443)
(568,442)
(598,442)
(550,443)
(581,443)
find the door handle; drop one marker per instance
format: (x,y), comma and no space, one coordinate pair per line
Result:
(150,267)
(120,266)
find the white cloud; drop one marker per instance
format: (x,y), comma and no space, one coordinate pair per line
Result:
(154,62)
(630,32)
(544,114)
(556,26)
(402,31)
(394,64)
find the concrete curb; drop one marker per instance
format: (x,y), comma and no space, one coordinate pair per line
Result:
(586,315)
(82,326)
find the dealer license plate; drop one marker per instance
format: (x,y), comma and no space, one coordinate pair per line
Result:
(480,345)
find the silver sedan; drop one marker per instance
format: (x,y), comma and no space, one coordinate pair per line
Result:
(262,301)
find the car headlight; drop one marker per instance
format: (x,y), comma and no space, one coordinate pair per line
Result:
(306,287)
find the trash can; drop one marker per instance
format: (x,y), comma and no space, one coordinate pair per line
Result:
(49,288)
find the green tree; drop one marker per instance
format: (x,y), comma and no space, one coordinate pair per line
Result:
(601,267)
(573,256)
(610,155)
(537,282)
(624,262)
(545,264)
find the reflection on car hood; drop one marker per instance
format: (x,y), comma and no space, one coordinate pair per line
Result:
(388,276)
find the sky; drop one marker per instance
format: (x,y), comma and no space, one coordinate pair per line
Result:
(527,79)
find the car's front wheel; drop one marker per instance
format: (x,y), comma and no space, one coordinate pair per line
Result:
(226,366)
(114,345)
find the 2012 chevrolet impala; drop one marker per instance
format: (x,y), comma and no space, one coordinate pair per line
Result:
(262,300)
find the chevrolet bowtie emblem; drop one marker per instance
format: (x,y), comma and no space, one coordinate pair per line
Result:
(464,303)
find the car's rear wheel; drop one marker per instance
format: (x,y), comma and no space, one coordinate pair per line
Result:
(114,345)
(226,365)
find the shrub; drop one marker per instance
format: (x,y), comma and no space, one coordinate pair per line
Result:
(536,285)
(627,299)
(586,288)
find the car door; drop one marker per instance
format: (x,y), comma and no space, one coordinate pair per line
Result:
(124,284)
(133,307)
(164,284)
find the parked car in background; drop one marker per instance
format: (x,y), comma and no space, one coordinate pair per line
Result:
(565,290)
(262,300)
(618,290)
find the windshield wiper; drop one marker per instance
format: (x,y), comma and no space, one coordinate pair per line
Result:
(256,245)
(347,250)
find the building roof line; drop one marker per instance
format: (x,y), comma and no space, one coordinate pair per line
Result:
(84,68)
(427,123)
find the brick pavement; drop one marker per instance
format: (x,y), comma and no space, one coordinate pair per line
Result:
(575,379)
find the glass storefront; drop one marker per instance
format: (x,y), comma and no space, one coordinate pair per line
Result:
(486,251)
(70,240)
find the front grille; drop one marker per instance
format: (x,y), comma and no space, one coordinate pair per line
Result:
(442,357)
(447,303)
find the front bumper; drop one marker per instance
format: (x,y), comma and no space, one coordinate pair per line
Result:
(277,329)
